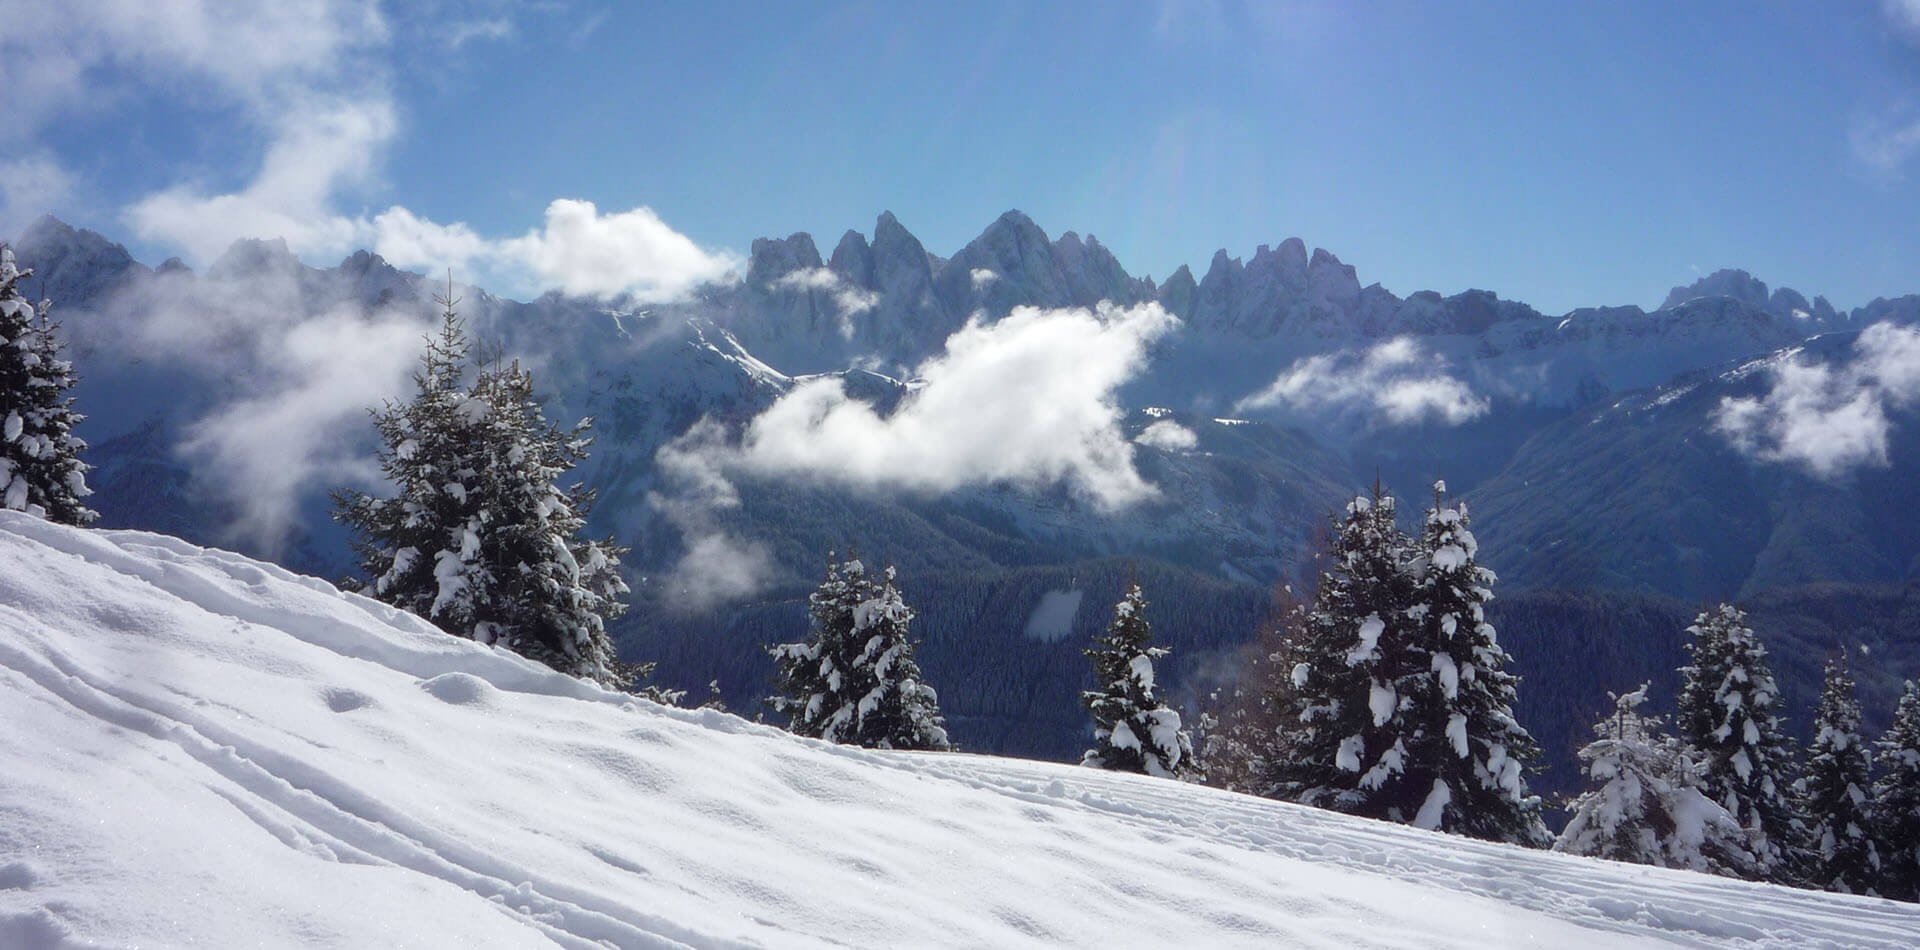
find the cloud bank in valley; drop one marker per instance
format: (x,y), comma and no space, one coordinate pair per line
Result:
(1831,418)
(1398,382)
(1030,400)
(289,387)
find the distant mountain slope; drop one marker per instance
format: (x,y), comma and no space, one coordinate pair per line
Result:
(208,750)
(1643,493)
(1581,474)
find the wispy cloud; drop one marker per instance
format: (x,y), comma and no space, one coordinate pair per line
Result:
(1885,140)
(1885,143)
(1830,419)
(1903,16)
(1398,382)
(460,34)
(299,422)
(31,184)
(849,301)
(318,149)
(314,81)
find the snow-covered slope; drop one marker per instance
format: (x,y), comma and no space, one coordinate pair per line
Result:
(201,749)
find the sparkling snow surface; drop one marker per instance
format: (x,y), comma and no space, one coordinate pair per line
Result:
(199,749)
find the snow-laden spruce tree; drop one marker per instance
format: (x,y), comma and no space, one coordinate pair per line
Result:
(1896,798)
(1727,720)
(1645,805)
(1133,730)
(854,679)
(40,468)
(1467,755)
(480,537)
(1845,848)
(1343,742)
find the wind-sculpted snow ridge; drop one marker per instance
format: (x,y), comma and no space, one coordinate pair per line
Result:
(201,749)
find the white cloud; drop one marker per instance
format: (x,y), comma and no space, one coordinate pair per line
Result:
(586,253)
(408,240)
(1167,435)
(1830,419)
(313,79)
(269,449)
(1398,382)
(80,53)
(982,276)
(1029,400)
(289,389)
(318,149)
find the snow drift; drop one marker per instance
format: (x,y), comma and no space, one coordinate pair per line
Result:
(203,749)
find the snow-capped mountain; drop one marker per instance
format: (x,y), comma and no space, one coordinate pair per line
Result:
(1572,484)
(208,750)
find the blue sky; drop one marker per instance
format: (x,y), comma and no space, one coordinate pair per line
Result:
(1556,154)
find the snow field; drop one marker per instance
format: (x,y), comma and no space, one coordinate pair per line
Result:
(201,749)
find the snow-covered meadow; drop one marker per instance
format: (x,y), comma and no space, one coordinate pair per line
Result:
(201,749)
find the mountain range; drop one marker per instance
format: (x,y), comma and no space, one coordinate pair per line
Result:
(1591,445)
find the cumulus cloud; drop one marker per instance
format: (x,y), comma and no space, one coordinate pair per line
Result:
(1167,435)
(1399,382)
(1830,419)
(1029,401)
(584,252)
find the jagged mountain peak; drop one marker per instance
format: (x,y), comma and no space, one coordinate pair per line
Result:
(69,263)
(774,258)
(1784,303)
(251,255)
(853,259)
(1725,282)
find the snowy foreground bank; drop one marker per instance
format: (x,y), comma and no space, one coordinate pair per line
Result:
(201,749)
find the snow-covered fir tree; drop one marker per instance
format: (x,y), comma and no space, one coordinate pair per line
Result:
(1133,730)
(1896,798)
(1343,730)
(1727,720)
(1466,754)
(854,680)
(480,537)
(1645,804)
(40,468)
(1845,851)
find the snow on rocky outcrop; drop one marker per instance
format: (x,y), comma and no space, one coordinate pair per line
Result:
(207,750)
